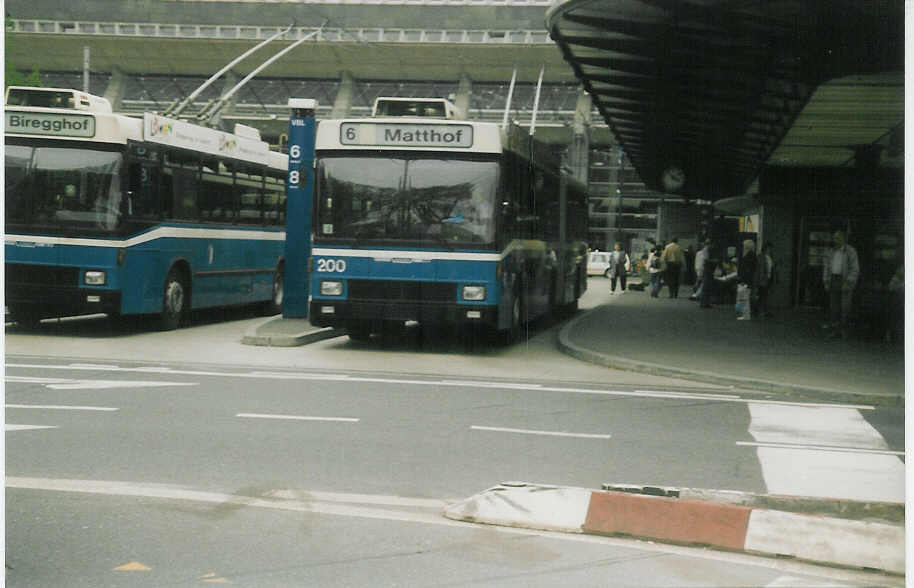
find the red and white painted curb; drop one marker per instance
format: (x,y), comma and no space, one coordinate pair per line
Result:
(732,527)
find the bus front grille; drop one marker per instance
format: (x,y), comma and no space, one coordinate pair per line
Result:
(45,275)
(402,291)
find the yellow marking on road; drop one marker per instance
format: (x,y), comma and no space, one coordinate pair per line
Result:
(133,566)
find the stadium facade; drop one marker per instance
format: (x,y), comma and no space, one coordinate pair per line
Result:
(147,54)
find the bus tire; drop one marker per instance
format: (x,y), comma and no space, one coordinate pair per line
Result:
(26,316)
(274,306)
(174,300)
(518,317)
(358,332)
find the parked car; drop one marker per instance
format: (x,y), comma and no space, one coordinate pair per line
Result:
(598,263)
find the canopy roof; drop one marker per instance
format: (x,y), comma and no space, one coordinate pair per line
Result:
(712,87)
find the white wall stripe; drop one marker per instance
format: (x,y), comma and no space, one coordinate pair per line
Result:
(545,433)
(387,254)
(157,233)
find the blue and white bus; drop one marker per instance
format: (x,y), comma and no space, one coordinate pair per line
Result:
(441,221)
(111,214)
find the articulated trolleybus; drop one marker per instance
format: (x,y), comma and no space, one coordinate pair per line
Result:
(423,217)
(107,213)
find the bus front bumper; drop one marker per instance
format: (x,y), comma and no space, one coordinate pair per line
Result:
(339,313)
(51,301)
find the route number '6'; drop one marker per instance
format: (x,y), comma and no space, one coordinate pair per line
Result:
(331,265)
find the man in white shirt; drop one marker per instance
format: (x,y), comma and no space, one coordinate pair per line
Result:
(839,275)
(700,258)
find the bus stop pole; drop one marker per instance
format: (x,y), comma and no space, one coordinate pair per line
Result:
(299,198)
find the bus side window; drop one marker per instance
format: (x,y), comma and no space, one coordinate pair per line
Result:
(274,201)
(216,199)
(142,191)
(249,186)
(184,194)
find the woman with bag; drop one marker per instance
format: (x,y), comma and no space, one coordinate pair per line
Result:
(745,273)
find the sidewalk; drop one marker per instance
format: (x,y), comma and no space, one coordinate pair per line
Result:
(786,354)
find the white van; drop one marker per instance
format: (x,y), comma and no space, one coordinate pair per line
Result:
(598,263)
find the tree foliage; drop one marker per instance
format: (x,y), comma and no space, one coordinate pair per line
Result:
(13,76)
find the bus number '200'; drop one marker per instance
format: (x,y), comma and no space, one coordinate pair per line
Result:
(331,265)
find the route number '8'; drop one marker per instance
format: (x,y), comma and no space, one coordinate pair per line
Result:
(331,265)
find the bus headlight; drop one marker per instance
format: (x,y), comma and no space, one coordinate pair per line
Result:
(474,293)
(95,278)
(329,288)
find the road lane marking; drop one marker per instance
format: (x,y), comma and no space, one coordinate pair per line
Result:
(545,433)
(9,427)
(60,407)
(807,470)
(433,517)
(289,417)
(820,448)
(76,384)
(508,386)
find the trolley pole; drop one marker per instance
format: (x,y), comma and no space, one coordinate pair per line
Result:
(299,197)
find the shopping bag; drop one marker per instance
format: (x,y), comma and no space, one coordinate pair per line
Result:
(742,299)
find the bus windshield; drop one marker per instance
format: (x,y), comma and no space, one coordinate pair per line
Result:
(63,187)
(425,198)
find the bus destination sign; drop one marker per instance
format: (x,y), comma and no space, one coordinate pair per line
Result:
(406,135)
(44,123)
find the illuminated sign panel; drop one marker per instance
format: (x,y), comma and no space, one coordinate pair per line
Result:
(177,133)
(56,125)
(406,135)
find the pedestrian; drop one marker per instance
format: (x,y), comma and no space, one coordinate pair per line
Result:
(895,309)
(839,275)
(655,271)
(688,272)
(764,281)
(619,266)
(673,258)
(700,258)
(745,274)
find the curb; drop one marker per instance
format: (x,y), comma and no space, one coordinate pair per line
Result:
(620,363)
(758,531)
(252,337)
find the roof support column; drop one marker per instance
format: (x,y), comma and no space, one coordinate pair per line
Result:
(117,88)
(343,100)
(579,150)
(462,100)
(231,79)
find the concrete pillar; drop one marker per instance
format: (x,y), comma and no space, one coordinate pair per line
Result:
(778,226)
(231,80)
(462,101)
(117,88)
(579,150)
(343,100)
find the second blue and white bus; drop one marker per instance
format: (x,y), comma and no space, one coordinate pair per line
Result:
(112,214)
(441,221)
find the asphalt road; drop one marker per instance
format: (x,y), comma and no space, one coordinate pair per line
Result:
(329,465)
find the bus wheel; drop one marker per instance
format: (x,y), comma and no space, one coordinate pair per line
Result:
(26,316)
(174,302)
(274,306)
(358,332)
(518,317)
